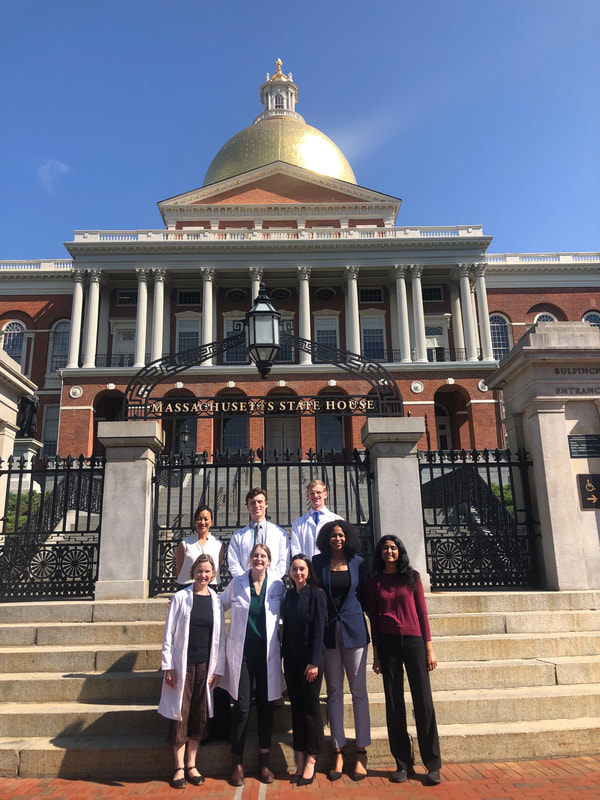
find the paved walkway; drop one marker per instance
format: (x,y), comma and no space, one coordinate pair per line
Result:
(557,779)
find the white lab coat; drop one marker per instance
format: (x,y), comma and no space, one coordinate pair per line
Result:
(242,542)
(305,530)
(175,647)
(237,598)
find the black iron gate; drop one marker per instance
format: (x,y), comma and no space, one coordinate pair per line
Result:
(479,527)
(221,481)
(50,528)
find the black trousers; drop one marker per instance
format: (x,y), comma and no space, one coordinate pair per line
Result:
(307,722)
(253,673)
(395,654)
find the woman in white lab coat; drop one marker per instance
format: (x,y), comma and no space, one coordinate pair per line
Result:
(253,657)
(193,660)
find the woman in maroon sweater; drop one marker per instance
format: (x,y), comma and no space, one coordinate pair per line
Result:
(401,638)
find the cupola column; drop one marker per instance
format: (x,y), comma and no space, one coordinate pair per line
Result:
(208,278)
(416,271)
(402,303)
(91,319)
(304,310)
(467,312)
(141,319)
(256,274)
(352,315)
(76,317)
(158,313)
(457,326)
(485,332)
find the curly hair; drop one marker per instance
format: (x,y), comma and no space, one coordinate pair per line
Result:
(409,575)
(351,545)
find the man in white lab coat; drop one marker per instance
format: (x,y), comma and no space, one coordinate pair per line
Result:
(306,527)
(258,530)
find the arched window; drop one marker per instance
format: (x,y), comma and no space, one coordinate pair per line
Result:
(501,342)
(279,101)
(545,316)
(60,345)
(593,317)
(13,336)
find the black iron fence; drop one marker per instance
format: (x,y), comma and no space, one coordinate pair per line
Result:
(480,532)
(222,481)
(50,519)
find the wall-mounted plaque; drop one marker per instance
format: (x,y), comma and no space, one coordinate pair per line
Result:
(585,445)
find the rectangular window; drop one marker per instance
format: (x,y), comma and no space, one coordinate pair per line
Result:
(370,295)
(237,354)
(188,334)
(326,332)
(126,297)
(286,354)
(433,294)
(189,298)
(50,431)
(373,338)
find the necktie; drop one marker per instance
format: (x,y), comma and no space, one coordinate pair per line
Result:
(316,516)
(257,536)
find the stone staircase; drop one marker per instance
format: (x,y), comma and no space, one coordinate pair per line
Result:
(518,678)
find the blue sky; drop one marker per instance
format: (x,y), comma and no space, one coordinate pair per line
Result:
(472,111)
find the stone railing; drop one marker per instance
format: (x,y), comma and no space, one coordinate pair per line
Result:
(540,258)
(279,234)
(42,265)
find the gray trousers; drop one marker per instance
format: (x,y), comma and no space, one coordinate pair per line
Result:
(352,661)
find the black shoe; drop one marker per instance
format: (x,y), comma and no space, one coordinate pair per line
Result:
(294,777)
(195,780)
(433,777)
(177,783)
(302,781)
(399,776)
(333,774)
(359,776)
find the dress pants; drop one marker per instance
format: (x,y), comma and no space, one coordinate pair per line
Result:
(395,654)
(354,661)
(307,722)
(194,711)
(253,672)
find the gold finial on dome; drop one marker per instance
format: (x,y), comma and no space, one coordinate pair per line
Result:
(278,74)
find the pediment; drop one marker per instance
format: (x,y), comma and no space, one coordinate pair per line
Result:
(279,183)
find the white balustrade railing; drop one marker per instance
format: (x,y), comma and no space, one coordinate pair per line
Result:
(45,264)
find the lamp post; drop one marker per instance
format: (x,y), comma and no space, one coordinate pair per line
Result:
(262,332)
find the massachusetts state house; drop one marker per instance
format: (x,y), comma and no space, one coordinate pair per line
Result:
(280,205)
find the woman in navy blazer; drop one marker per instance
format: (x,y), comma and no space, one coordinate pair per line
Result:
(303,612)
(342,575)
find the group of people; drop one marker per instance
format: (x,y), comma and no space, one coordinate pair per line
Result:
(323,633)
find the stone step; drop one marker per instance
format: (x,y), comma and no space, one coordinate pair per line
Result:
(150,757)
(92,687)
(464,603)
(516,645)
(87,658)
(514,622)
(81,633)
(464,707)
(152,609)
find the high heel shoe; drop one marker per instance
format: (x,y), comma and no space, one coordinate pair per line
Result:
(333,774)
(359,776)
(302,781)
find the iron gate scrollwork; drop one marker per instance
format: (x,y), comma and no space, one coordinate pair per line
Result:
(221,481)
(50,531)
(479,527)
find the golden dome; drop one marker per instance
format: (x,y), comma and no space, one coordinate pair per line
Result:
(279,134)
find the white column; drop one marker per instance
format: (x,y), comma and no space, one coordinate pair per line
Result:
(352,316)
(76,317)
(467,311)
(158,314)
(91,328)
(304,311)
(416,270)
(402,304)
(256,274)
(457,326)
(485,332)
(141,318)
(208,278)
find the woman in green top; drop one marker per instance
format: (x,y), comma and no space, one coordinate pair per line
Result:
(252,657)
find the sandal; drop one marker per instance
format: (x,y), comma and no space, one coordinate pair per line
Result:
(178,783)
